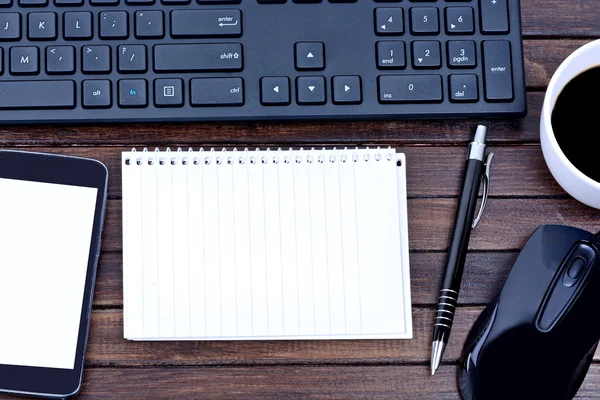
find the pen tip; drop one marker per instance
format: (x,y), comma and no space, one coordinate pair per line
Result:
(432,372)
(480,134)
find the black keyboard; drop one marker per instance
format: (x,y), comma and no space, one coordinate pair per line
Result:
(85,61)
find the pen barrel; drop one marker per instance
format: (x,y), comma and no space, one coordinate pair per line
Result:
(458,249)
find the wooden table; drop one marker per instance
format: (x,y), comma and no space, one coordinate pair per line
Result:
(523,196)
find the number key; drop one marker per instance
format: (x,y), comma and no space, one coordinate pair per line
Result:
(461,54)
(426,54)
(424,21)
(459,21)
(389,21)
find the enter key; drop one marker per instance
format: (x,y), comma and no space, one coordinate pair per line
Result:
(497,70)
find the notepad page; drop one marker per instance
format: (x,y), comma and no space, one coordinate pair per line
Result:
(271,244)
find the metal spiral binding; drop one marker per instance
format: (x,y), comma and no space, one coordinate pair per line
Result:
(268,156)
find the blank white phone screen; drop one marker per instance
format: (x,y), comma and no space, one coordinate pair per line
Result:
(45,237)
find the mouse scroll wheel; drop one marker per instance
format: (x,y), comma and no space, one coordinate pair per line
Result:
(580,258)
(576,268)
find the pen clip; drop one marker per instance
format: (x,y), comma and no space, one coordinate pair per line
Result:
(486,188)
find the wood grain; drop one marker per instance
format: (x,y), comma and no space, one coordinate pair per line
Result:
(293,382)
(516,171)
(557,18)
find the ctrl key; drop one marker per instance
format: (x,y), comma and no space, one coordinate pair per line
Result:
(410,89)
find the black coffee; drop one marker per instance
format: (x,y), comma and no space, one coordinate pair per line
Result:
(576,122)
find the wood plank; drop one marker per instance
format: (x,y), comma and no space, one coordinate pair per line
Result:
(290,382)
(542,58)
(560,18)
(432,171)
(506,223)
(323,382)
(485,273)
(106,346)
(285,134)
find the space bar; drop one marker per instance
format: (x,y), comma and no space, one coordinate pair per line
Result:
(16,95)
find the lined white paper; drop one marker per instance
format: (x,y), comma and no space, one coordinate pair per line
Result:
(273,244)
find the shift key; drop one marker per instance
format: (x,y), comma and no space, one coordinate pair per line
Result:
(497,70)
(198,57)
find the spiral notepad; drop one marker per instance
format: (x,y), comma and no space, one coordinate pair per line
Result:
(271,244)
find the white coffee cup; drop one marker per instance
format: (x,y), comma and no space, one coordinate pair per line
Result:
(573,181)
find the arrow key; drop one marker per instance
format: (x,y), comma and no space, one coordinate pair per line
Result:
(426,54)
(310,90)
(347,89)
(459,21)
(275,91)
(389,21)
(310,56)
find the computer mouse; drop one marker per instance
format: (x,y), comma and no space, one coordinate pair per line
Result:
(536,339)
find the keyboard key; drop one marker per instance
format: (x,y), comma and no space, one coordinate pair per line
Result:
(275,91)
(104,2)
(33,3)
(426,54)
(347,89)
(172,2)
(206,23)
(1,60)
(139,2)
(198,57)
(424,21)
(463,88)
(60,60)
(96,93)
(461,54)
(459,21)
(309,56)
(149,24)
(133,93)
(217,92)
(113,25)
(389,21)
(78,25)
(10,26)
(494,16)
(391,55)
(310,90)
(497,70)
(5,3)
(410,89)
(37,94)
(132,58)
(95,59)
(168,92)
(219,1)
(68,3)
(41,26)
(24,60)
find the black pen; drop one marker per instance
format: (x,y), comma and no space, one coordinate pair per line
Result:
(463,225)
